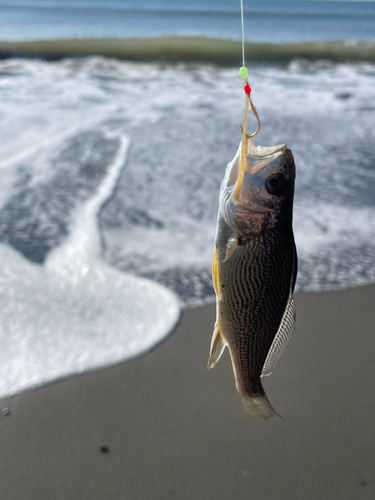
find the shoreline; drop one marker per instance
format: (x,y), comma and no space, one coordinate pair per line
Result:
(161,426)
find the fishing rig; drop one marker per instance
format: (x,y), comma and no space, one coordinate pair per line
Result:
(244,72)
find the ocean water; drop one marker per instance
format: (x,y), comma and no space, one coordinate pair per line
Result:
(267,21)
(111,172)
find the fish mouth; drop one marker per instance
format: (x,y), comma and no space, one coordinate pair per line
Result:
(264,151)
(260,156)
(257,157)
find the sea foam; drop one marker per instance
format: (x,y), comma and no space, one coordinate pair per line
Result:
(184,123)
(76,313)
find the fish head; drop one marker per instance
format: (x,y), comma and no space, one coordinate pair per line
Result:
(266,190)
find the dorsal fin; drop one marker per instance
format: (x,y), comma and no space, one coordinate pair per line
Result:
(285,331)
(282,338)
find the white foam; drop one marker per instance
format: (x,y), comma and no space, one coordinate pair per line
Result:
(184,121)
(328,225)
(76,313)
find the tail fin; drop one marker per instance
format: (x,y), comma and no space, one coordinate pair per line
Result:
(258,407)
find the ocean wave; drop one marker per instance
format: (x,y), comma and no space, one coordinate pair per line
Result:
(188,48)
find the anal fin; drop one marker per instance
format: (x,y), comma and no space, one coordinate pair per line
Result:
(218,345)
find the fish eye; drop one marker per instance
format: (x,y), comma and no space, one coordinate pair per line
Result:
(276,184)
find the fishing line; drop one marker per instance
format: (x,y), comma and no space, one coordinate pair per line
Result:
(243,37)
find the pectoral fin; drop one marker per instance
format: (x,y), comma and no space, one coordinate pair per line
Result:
(218,345)
(231,246)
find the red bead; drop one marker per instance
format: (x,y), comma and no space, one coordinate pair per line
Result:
(247,88)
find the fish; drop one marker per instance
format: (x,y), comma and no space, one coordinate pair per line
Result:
(254,269)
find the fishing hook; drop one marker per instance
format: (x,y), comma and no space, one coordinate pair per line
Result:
(254,110)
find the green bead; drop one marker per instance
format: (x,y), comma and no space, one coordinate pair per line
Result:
(243,72)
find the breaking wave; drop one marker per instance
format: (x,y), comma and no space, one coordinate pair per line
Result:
(188,48)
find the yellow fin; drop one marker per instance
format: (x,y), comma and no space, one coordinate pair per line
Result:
(218,345)
(215,271)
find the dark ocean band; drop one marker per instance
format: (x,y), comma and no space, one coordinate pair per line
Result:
(184,48)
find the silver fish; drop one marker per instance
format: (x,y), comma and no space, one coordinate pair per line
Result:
(254,270)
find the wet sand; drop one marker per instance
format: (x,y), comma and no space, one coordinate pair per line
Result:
(162,427)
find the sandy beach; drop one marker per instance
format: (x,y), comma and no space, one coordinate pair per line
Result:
(162,427)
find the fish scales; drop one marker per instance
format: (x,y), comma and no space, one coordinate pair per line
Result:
(255,286)
(255,267)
